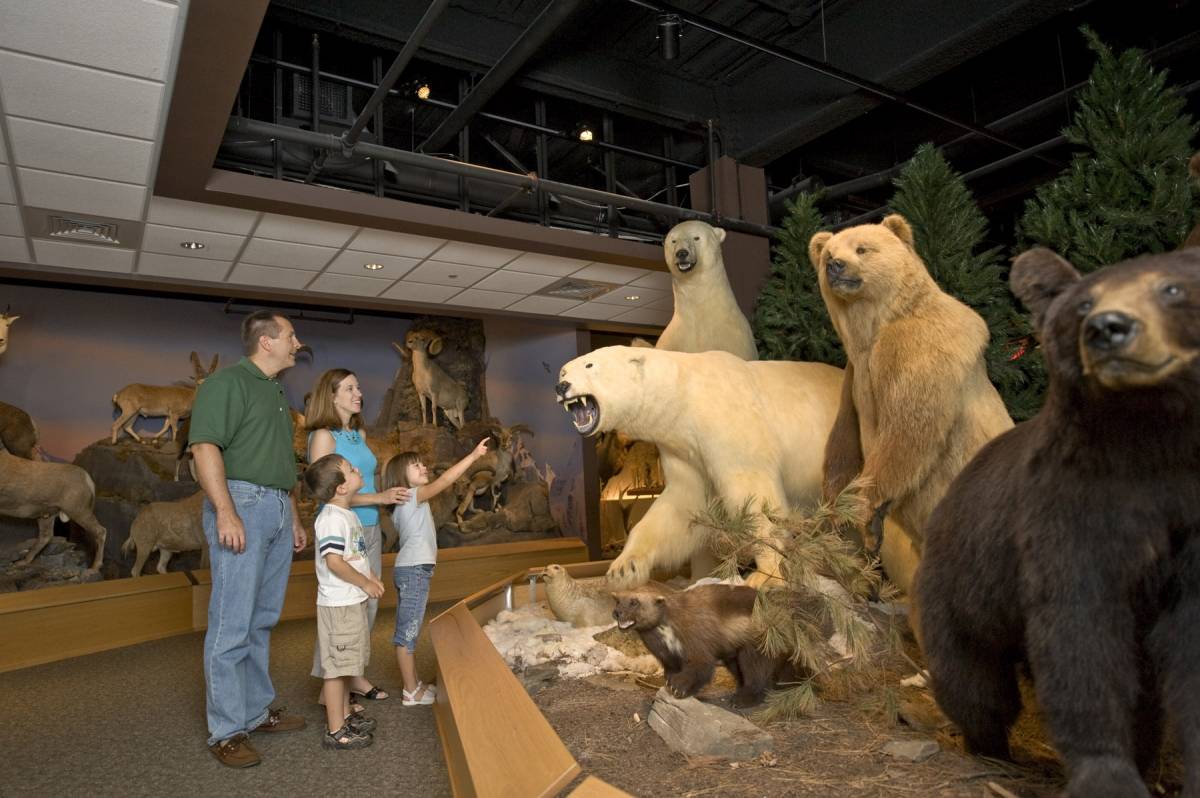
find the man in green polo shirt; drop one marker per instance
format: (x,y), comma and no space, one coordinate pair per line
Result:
(241,439)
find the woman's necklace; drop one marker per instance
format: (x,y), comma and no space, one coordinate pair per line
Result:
(352,436)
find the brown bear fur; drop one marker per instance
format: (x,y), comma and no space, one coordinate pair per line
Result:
(1071,544)
(1193,239)
(691,631)
(916,403)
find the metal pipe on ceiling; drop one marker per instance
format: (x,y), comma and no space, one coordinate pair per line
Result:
(543,26)
(350,137)
(423,161)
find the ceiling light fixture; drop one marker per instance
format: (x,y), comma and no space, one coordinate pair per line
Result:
(419,88)
(423,91)
(670,30)
(373,267)
(583,132)
(633,297)
(191,245)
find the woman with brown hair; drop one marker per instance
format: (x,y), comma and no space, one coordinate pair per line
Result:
(333,419)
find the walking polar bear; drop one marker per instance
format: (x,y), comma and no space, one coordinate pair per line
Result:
(724,427)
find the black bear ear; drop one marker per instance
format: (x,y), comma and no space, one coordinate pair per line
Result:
(1037,277)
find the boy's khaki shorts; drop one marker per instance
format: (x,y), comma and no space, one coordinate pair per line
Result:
(343,639)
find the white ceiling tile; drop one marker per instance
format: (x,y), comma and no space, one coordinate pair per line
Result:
(546,305)
(3,153)
(645,316)
(183,267)
(199,216)
(266,252)
(6,189)
(82,194)
(515,282)
(474,254)
(404,245)
(609,273)
(83,256)
(10,221)
(269,276)
(303,231)
(129,36)
(622,296)
(351,262)
(349,284)
(474,298)
(167,240)
(593,310)
(57,92)
(14,249)
(659,280)
(666,303)
(546,264)
(43,145)
(447,274)
(419,292)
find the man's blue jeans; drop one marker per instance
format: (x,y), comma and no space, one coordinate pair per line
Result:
(247,597)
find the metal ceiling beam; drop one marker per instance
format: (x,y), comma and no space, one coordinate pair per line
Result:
(525,47)
(473,171)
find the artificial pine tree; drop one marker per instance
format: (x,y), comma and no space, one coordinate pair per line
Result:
(790,320)
(1126,192)
(950,231)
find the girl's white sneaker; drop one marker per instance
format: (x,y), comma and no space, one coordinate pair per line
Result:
(424,694)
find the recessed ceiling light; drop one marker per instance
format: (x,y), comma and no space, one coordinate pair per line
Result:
(633,297)
(452,276)
(374,267)
(191,245)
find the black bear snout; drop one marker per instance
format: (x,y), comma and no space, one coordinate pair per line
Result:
(836,266)
(1109,331)
(681,254)
(562,388)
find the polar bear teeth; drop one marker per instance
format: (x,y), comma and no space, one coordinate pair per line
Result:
(624,624)
(583,412)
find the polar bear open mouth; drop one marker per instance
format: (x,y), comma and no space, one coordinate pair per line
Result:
(685,265)
(585,413)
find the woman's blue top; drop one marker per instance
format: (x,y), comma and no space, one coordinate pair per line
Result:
(352,445)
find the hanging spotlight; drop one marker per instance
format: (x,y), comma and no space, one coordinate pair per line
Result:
(583,132)
(423,90)
(670,29)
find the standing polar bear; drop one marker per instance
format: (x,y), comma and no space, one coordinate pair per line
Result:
(707,316)
(725,428)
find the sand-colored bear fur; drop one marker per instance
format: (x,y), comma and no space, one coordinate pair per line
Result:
(707,316)
(724,426)
(917,403)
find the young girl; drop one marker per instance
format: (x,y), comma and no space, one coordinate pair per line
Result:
(417,555)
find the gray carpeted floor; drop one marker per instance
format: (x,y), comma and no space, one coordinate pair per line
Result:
(131,722)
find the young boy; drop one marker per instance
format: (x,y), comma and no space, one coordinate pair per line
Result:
(344,582)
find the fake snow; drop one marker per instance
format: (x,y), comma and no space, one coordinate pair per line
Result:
(531,635)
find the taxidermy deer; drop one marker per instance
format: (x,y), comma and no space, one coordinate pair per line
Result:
(18,433)
(168,528)
(5,322)
(430,380)
(33,489)
(172,401)
(491,471)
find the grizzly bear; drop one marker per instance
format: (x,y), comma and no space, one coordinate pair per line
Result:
(1071,544)
(691,631)
(916,404)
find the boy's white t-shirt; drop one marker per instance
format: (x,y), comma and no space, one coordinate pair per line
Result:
(418,537)
(339,531)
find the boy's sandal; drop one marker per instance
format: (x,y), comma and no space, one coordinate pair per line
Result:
(424,694)
(374,694)
(359,723)
(354,707)
(346,739)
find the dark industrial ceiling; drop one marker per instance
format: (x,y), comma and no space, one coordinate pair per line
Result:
(534,70)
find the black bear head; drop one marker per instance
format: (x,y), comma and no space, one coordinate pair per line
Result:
(1131,325)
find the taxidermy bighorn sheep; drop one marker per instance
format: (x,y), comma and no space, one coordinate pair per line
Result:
(33,489)
(430,380)
(5,321)
(172,401)
(492,470)
(168,528)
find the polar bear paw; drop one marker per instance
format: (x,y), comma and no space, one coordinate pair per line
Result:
(628,571)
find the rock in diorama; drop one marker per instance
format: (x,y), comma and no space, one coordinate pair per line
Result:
(174,402)
(753,431)
(917,403)
(1072,542)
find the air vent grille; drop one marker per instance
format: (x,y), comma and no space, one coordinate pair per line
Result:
(335,100)
(80,230)
(575,288)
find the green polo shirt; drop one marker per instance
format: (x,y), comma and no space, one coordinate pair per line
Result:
(245,413)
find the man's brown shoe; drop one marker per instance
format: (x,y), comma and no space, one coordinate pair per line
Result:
(236,752)
(278,722)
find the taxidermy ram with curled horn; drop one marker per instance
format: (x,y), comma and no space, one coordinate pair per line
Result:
(172,401)
(491,471)
(6,319)
(431,380)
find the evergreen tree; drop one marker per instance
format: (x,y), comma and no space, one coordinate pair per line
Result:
(1126,191)
(949,232)
(790,320)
